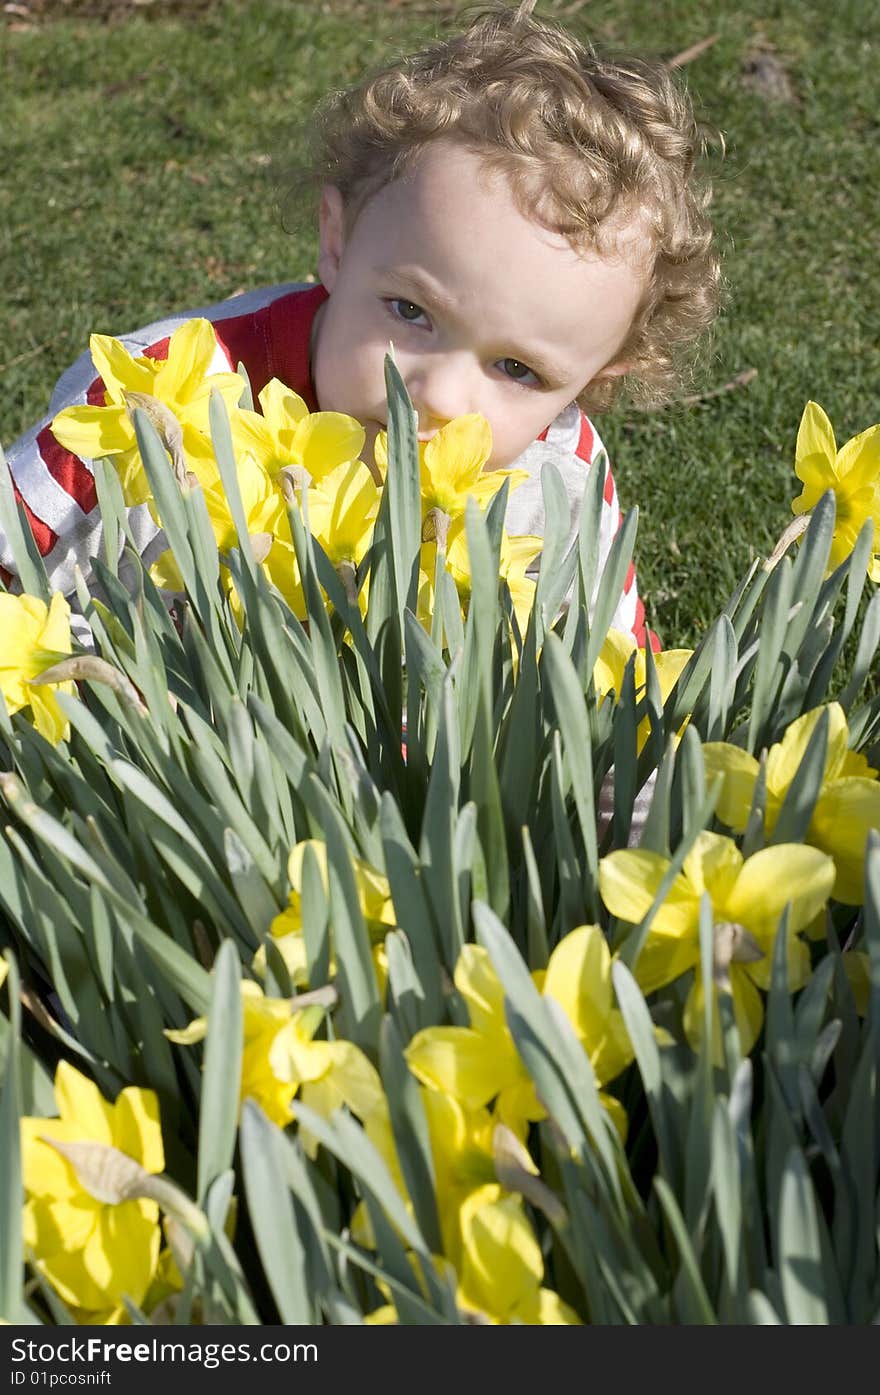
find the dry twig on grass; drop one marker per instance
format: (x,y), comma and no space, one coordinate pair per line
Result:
(697,398)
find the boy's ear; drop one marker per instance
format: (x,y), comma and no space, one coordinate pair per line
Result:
(331,235)
(614,370)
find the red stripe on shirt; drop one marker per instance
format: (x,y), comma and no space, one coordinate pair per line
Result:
(68,470)
(584,447)
(638,628)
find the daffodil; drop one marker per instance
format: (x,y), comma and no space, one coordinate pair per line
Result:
(265,518)
(485,1234)
(853,472)
(342,511)
(517,554)
(34,637)
(281,1058)
(848,805)
(288,436)
(608,671)
(480,1063)
(93,1252)
(462,1158)
(180,384)
(374,898)
(502,1265)
(748,897)
(452,471)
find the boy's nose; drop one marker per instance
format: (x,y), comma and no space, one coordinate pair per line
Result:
(439,391)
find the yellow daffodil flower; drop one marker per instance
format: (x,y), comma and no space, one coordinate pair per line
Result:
(517,554)
(34,637)
(374,898)
(480,1063)
(461,1153)
(847,808)
(453,470)
(342,512)
(502,1265)
(265,516)
(181,383)
(92,1252)
(748,897)
(281,1059)
(485,1235)
(288,436)
(853,472)
(611,664)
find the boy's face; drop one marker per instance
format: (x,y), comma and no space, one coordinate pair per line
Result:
(488,311)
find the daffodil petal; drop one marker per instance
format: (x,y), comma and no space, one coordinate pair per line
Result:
(628,882)
(845,813)
(480,986)
(786,873)
(739,770)
(117,369)
(579,978)
(815,438)
(858,462)
(502,1264)
(784,760)
(79,1098)
(92,432)
(136,1128)
(461,1062)
(325,440)
(283,409)
(190,351)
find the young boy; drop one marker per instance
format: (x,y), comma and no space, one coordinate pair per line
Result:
(518,216)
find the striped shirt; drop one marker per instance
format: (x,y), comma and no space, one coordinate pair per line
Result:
(268,330)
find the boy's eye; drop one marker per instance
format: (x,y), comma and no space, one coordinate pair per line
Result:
(406,310)
(518,372)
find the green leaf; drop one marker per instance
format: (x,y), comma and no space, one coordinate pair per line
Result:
(403,488)
(692,1299)
(774,625)
(218,1110)
(557,567)
(224,454)
(25,553)
(574,723)
(410,1128)
(641,1034)
(799,1248)
(869,639)
(359,1012)
(611,584)
(800,799)
(728,1196)
(11,1191)
(279,1243)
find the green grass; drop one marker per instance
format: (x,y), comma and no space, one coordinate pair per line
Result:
(139,160)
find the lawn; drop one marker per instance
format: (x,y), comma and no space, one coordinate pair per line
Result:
(142,147)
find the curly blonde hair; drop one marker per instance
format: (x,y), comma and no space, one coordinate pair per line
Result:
(590,145)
